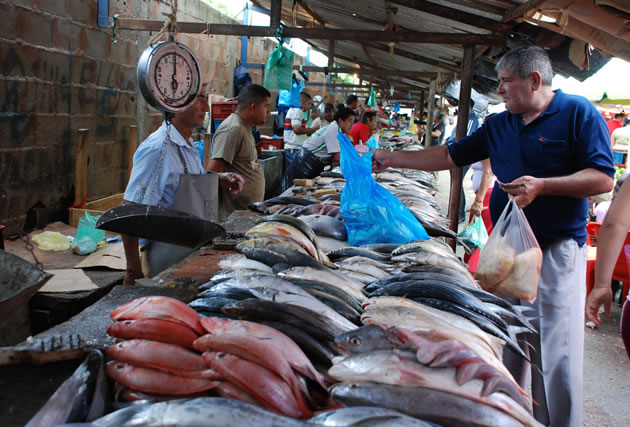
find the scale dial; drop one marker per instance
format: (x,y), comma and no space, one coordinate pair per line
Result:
(168,76)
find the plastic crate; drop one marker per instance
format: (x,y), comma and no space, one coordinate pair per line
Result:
(215,124)
(222,109)
(619,157)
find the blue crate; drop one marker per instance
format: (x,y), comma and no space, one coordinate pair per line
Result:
(216,123)
(619,157)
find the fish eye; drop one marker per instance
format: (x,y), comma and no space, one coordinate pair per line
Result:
(221,355)
(356,341)
(354,385)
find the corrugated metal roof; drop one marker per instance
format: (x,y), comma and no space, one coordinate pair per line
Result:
(564,27)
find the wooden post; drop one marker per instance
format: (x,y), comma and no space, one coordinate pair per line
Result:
(463,107)
(430,101)
(81,166)
(207,146)
(132,141)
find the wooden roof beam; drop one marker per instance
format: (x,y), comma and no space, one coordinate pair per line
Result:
(376,72)
(456,15)
(314,33)
(311,12)
(416,57)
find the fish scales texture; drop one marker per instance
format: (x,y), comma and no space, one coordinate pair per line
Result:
(366,416)
(256,281)
(265,350)
(323,225)
(332,278)
(442,291)
(239,261)
(158,307)
(256,310)
(307,302)
(275,228)
(435,349)
(155,330)
(156,355)
(309,345)
(481,321)
(397,311)
(266,386)
(156,381)
(426,403)
(351,251)
(316,286)
(208,411)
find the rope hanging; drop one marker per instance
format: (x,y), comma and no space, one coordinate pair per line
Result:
(170,24)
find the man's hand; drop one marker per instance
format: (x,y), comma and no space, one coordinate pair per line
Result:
(379,160)
(131,275)
(524,189)
(232,182)
(597,297)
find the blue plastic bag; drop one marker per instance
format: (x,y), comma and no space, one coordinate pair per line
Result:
(372,143)
(279,69)
(371,213)
(291,98)
(475,234)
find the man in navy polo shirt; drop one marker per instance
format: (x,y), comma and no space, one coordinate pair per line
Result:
(551,151)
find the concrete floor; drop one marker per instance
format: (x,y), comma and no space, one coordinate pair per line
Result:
(606,366)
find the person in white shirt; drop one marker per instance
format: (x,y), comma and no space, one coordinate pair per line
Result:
(319,150)
(325,119)
(295,130)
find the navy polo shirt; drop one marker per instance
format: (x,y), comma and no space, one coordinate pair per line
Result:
(569,136)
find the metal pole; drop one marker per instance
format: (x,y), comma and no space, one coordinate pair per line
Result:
(463,109)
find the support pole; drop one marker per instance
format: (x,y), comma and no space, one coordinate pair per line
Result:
(429,126)
(81,166)
(463,107)
(276,10)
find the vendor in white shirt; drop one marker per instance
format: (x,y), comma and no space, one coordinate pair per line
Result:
(321,149)
(295,130)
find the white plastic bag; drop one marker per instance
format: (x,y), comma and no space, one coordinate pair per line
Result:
(510,262)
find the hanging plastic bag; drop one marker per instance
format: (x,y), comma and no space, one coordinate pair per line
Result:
(279,69)
(510,262)
(291,98)
(372,143)
(372,99)
(87,237)
(475,234)
(371,213)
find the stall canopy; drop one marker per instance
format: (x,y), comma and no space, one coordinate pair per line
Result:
(580,35)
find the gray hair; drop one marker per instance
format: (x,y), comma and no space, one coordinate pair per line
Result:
(524,61)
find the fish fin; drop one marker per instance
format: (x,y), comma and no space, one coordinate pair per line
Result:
(466,372)
(499,383)
(522,308)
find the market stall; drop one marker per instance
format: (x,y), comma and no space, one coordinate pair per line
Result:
(300,320)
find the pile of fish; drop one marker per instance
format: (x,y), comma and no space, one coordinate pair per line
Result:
(417,296)
(217,411)
(237,359)
(415,189)
(426,375)
(156,359)
(292,324)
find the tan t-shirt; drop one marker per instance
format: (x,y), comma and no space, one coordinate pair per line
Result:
(234,143)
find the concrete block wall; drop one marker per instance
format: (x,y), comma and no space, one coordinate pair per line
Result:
(60,73)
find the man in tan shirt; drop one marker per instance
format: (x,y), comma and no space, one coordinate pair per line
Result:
(234,149)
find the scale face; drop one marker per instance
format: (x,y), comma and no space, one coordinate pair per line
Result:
(168,76)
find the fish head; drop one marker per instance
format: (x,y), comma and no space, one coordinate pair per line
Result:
(364,339)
